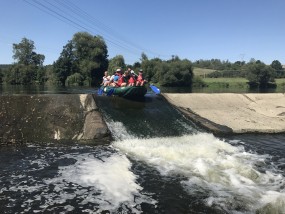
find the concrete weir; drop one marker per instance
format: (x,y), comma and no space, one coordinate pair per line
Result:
(227,113)
(51,117)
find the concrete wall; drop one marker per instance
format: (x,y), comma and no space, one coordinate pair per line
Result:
(76,117)
(51,117)
(233,113)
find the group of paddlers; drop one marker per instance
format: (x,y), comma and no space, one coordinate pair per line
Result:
(121,79)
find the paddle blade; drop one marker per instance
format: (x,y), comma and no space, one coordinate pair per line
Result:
(110,92)
(155,89)
(100,91)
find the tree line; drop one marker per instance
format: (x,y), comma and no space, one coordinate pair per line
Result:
(84,59)
(258,73)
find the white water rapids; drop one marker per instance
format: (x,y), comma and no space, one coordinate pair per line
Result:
(87,179)
(228,173)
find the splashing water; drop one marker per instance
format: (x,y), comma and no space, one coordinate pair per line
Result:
(93,182)
(228,174)
(109,176)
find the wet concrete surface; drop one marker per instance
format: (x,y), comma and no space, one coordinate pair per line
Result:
(68,117)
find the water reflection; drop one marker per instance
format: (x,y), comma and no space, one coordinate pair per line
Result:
(51,89)
(45,89)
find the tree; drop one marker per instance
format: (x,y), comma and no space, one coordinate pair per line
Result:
(276,65)
(259,74)
(116,62)
(91,55)
(179,73)
(28,68)
(65,64)
(24,53)
(136,65)
(173,72)
(144,57)
(84,54)
(1,76)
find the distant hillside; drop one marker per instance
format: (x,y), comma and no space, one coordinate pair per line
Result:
(203,72)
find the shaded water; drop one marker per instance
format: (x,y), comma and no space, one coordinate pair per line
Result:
(159,162)
(51,89)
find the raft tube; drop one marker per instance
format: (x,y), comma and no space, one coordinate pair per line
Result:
(128,91)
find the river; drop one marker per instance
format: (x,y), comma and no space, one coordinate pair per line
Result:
(158,162)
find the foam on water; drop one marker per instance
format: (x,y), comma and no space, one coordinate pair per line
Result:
(109,176)
(109,180)
(228,174)
(100,181)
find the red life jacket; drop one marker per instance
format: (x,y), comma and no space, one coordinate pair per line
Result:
(131,80)
(120,81)
(140,78)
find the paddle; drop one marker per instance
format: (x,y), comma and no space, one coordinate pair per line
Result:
(154,89)
(100,91)
(110,92)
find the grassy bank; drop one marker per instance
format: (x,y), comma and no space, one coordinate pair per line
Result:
(237,83)
(226,82)
(202,72)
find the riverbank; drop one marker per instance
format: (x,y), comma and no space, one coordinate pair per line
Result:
(233,113)
(42,118)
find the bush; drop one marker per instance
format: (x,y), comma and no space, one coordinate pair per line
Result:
(215,74)
(174,72)
(260,75)
(75,80)
(198,82)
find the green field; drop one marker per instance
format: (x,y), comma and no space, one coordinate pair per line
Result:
(237,83)
(280,81)
(226,82)
(202,72)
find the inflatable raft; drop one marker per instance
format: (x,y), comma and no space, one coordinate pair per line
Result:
(128,91)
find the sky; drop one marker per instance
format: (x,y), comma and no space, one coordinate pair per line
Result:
(190,29)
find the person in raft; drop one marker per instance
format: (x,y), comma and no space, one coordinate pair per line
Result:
(112,78)
(119,79)
(106,79)
(132,77)
(140,79)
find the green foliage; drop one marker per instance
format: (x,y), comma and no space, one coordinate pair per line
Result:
(174,72)
(1,76)
(116,62)
(214,64)
(144,57)
(5,66)
(20,74)
(198,82)
(65,64)
(24,53)
(215,74)
(50,77)
(279,71)
(259,74)
(84,54)
(226,73)
(222,83)
(75,79)
(28,68)
(216,69)
(136,66)
(276,65)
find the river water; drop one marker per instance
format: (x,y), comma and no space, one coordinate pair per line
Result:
(158,162)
